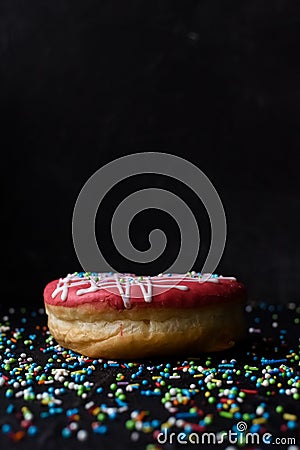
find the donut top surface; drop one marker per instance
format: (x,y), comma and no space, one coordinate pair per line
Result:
(121,291)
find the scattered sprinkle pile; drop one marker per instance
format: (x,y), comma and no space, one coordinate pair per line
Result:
(50,395)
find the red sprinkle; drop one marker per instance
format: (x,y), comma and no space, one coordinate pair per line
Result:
(249,391)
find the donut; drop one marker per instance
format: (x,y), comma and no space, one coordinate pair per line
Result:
(113,315)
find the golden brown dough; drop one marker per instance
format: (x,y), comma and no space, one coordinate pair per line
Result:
(148,332)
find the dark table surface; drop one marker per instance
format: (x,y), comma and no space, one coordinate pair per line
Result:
(53,398)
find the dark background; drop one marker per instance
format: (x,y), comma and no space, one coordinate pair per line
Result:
(218,83)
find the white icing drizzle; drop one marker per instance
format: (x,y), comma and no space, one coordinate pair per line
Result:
(123,283)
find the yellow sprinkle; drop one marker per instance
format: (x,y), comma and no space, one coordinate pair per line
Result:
(279,384)
(155,378)
(259,420)
(198,375)
(215,380)
(96,411)
(207,394)
(233,410)
(288,416)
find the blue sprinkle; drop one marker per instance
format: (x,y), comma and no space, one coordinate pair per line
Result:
(186,415)
(155,423)
(6,428)
(102,429)
(10,408)
(32,430)
(66,433)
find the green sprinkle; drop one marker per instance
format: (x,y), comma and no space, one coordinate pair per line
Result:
(226,414)
(246,417)
(130,425)
(101,417)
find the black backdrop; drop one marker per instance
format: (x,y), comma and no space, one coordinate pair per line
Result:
(82,83)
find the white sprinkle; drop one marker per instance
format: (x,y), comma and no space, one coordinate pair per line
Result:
(171,420)
(82,435)
(89,405)
(123,409)
(139,425)
(259,410)
(179,423)
(134,436)
(19,394)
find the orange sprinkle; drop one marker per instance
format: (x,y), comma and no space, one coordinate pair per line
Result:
(18,435)
(141,416)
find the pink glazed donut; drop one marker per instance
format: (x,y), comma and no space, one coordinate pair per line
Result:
(114,315)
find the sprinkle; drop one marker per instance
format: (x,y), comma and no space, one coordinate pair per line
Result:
(195,393)
(82,435)
(287,416)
